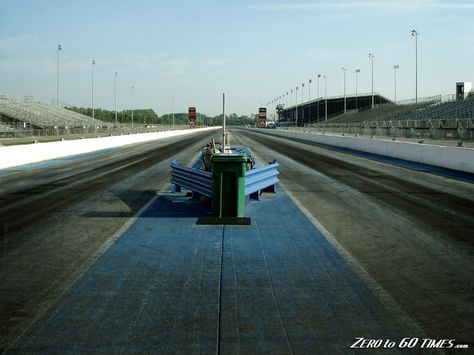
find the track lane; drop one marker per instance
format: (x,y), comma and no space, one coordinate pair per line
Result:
(26,206)
(56,220)
(447,214)
(415,263)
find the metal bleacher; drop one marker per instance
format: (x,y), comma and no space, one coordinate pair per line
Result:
(445,111)
(42,115)
(429,110)
(5,128)
(384,112)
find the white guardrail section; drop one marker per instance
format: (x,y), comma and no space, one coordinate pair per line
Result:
(456,158)
(16,155)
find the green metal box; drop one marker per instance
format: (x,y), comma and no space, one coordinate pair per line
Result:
(228,180)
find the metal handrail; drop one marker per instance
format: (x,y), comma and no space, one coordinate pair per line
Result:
(192,179)
(261,178)
(200,181)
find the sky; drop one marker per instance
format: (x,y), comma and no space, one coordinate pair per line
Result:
(187,53)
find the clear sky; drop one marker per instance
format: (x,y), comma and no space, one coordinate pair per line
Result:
(254,51)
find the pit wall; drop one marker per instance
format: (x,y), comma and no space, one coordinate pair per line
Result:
(16,155)
(456,158)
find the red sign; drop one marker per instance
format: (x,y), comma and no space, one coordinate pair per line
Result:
(262,117)
(192,117)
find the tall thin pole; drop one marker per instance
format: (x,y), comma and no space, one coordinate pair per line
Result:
(57,76)
(296,105)
(223,121)
(291,104)
(309,101)
(344,73)
(415,34)
(371,56)
(131,101)
(357,71)
(317,113)
(395,67)
(93,63)
(302,105)
(115,97)
(173,111)
(326,98)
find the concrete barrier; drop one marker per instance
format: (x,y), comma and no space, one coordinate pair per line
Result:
(456,158)
(16,155)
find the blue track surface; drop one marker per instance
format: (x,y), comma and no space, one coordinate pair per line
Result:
(170,286)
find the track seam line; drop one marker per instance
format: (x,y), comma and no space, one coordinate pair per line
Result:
(219,297)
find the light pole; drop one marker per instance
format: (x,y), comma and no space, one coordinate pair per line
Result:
(415,34)
(317,115)
(344,73)
(115,98)
(57,77)
(357,71)
(296,106)
(93,63)
(131,101)
(325,98)
(173,111)
(291,104)
(302,105)
(371,56)
(395,67)
(309,101)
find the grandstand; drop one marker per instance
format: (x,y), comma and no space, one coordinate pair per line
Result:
(27,112)
(5,128)
(429,110)
(445,111)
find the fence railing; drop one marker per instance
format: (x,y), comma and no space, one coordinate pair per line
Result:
(200,181)
(23,130)
(193,179)
(461,128)
(261,179)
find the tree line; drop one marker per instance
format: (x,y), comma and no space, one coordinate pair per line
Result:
(150,117)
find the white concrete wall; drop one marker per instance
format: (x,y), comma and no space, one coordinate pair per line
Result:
(16,155)
(456,158)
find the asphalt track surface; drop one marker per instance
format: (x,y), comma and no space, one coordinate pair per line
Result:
(56,219)
(410,232)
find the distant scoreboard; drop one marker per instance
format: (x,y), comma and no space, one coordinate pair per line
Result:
(262,117)
(192,117)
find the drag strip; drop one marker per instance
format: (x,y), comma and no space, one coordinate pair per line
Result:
(23,207)
(450,215)
(55,219)
(407,231)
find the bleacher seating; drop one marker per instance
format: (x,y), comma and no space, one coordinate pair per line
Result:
(421,111)
(384,112)
(42,115)
(445,111)
(4,128)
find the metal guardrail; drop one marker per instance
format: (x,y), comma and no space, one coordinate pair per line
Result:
(261,178)
(196,180)
(200,181)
